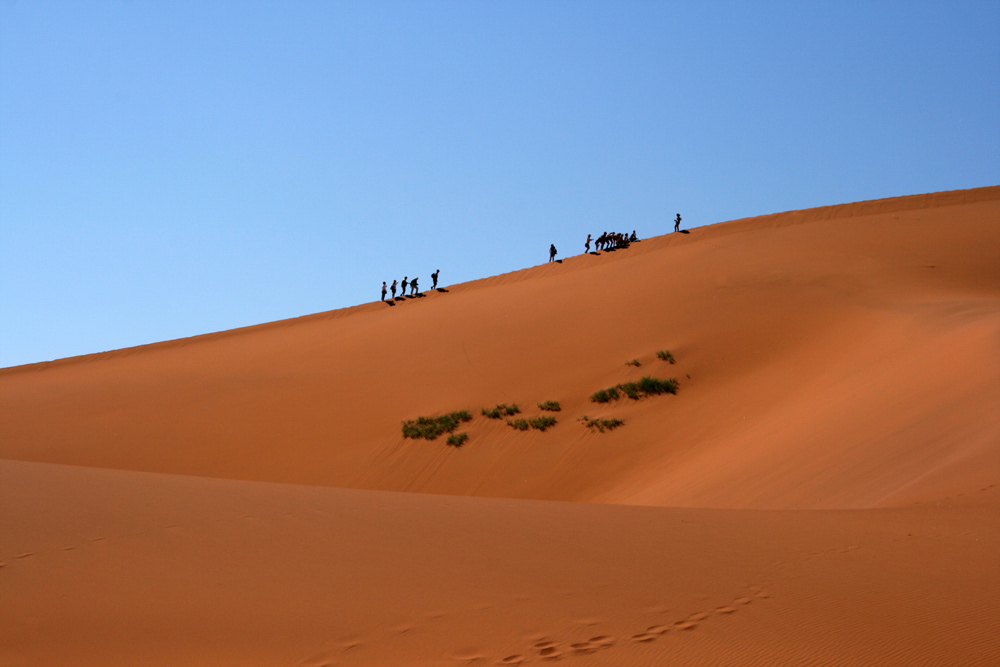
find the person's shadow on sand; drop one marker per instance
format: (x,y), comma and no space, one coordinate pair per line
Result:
(442,290)
(684,231)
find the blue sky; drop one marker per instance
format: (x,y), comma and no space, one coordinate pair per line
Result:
(175,168)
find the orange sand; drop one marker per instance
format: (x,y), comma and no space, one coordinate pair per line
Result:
(823,489)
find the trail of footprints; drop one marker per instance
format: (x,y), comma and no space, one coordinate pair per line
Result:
(548,650)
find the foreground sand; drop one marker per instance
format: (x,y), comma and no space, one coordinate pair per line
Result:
(823,489)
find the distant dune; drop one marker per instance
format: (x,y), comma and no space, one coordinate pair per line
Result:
(824,487)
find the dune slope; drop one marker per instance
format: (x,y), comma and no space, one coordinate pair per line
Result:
(824,488)
(115,567)
(840,357)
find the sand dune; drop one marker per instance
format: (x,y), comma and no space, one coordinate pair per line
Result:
(823,489)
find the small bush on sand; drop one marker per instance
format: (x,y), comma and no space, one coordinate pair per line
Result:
(634,362)
(519,424)
(501,410)
(551,406)
(542,423)
(432,427)
(651,386)
(601,424)
(631,389)
(458,439)
(605,395)
(666,356)
(647,386)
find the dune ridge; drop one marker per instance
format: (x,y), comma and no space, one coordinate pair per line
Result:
(824,488)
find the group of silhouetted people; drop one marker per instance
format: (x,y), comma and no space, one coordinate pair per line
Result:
(412,284)
(611,241)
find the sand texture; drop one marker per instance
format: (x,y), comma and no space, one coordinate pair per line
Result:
(823,488)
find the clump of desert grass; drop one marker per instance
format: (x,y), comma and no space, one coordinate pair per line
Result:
(501,410)
(666,356)
(542,423)
(634,362)
(431,427)
(538,423)
(647,386)
(550,406)
(519,424)
(601,424)
(458,439)
(605,395)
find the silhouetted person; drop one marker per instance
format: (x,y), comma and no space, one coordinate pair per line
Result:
(406,282)
(633,238)
(677,223)
(383,290)
(393,288)
(413,287)
(434,279)
(552,252)
(586,246)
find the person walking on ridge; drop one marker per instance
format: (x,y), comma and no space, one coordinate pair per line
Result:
(552,252)
(393,288)
(677,223)
(413,287)
(434,278)
(383,290)
(406,282)
(586,246)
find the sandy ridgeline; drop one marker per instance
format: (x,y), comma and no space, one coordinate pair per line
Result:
(823,488)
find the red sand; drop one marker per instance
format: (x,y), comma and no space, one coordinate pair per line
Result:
(823,489)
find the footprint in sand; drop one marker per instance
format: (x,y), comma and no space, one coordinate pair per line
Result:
(685,625)
(550,653)
(511,660)
(26,554)
(725,610)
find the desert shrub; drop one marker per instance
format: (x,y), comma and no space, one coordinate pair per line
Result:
(519,424)
(551,406)
(458,439)
(605,395)
(432,427)
(631,389)
(666,356)
(601,424)
(634,362)
(652,386)
(647,386)
(542,423)
(500,410)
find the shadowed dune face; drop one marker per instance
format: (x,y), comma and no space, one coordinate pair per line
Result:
(834,358)
(823,488)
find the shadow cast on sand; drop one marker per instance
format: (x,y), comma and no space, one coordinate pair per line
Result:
(442,290)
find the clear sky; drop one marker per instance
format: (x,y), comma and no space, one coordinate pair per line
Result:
(174,168)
